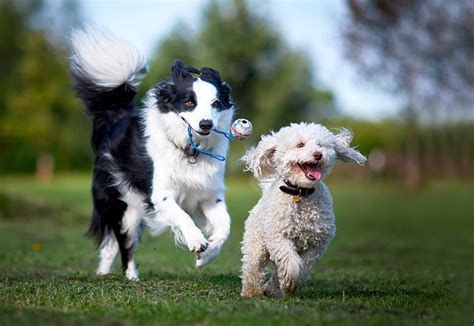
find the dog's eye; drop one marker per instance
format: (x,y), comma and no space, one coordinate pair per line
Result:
(300,145)
(189,104)
(216,104)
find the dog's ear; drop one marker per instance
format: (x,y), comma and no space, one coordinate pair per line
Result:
(213,77)
(181,75)
(225,95)
(210,75)
(343,149)
(260,159)
(165,93)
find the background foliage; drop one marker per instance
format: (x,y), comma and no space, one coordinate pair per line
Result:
(273,83)
(39,114)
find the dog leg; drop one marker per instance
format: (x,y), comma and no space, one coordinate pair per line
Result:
(287,261)
(253,273)
(108,251)
(108,210)
(272,287)
(309,258)
(128,263)
(218,224)
(170,214)
(127,236)
(255,257)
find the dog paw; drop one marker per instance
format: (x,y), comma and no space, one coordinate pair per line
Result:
(250,292)
(102,272)
(132,275)
(271,289)
(204,258)
(290,275)
(289,285)
(271,293)
(197,243)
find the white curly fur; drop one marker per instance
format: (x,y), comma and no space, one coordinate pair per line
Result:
(290,237)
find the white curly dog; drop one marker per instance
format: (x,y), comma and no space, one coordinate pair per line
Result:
(293,223)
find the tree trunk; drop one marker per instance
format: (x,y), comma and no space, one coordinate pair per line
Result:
(44,168)
(413,173)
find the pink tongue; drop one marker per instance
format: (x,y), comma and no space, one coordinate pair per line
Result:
(312,172)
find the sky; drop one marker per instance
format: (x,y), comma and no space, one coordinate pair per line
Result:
(309,25)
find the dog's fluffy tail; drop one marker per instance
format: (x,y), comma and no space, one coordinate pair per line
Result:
(102,62)
(106,72)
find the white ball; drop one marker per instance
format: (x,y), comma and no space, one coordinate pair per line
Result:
(241,129)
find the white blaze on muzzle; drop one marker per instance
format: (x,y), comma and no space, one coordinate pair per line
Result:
(206,93)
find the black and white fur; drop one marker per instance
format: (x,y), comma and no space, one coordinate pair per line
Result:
(144,170)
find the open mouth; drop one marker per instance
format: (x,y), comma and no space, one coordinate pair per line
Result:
(311,171)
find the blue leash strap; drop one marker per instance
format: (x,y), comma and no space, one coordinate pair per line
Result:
(193,145)
(226,134)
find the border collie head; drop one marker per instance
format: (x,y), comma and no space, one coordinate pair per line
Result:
(198,102)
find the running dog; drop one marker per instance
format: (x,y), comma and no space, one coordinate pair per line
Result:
(145,171)
(293,223)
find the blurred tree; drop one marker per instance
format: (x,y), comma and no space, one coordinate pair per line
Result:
(177,45)
(39,114)
(423,51)
(271,83)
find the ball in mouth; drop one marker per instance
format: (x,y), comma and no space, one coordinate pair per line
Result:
(310,171)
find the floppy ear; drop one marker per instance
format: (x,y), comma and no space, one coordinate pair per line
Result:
(343,149)
(212,76)
(260,159)
(225,95)
(165,93)
(180,74)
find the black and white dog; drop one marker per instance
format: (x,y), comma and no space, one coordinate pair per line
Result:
(145,172)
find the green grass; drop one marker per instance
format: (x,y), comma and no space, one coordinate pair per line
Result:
(398,258)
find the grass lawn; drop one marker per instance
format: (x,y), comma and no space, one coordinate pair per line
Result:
(398,258)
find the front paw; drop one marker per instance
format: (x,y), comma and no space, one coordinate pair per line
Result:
(197,243)
(204,258)
(290,274)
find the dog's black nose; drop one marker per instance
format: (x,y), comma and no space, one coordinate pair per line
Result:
(206,125)
(317,156)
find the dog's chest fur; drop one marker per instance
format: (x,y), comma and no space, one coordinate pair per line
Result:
(302,225)
(308,222)
(174,174)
